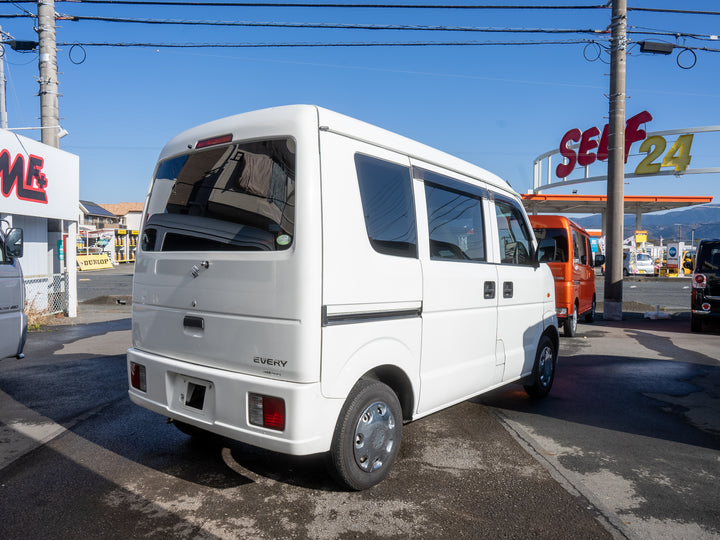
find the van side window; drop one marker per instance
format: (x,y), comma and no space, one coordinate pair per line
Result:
(515,240)
(455,223)
(388,206)
(579,248)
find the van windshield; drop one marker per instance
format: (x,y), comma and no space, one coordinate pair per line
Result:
(552,244)
(228,198)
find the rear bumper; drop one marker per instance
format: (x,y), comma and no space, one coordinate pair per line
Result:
(310,417)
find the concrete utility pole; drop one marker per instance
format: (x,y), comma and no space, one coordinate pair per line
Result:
(3,109)
(616,164)
(49,113)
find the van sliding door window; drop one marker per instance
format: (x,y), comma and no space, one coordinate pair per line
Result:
(515,240)
(455,223)
(388,206)
(239,197)
(552,244)
(579,248)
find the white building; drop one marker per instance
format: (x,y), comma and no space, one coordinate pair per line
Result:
(40,188)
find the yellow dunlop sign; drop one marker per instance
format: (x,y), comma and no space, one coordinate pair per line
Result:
(93,262)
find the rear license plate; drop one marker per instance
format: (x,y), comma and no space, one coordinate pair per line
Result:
(195,396)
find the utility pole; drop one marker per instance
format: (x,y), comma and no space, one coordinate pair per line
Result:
(616,164)
(49,113)
(3,107)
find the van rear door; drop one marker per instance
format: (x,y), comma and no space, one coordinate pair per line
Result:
(219,282)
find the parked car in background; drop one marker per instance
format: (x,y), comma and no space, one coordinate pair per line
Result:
(705,300)
(638,263)
(13,320)
(565,247)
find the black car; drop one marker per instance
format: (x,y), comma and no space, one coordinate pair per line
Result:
(705,303)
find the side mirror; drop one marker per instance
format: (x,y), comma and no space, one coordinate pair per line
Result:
(14,243)
(599,259)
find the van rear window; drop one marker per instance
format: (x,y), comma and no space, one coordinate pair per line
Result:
(552,244)
(239,197)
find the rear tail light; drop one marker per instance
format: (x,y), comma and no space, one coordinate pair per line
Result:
(699,281)
(138,377)
(267,411)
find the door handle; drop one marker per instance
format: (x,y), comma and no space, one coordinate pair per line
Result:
(489,290)
(507,289)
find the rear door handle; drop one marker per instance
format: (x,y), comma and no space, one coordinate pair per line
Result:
(489,290)
(507,289)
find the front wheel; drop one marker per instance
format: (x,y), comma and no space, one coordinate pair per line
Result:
(543,372)
(367,436)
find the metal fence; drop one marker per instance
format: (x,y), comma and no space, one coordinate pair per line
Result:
(46,295)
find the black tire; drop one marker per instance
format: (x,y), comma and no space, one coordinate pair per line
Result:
(695,324)
(543,373)
(367,436)
(590,315)
(571,322)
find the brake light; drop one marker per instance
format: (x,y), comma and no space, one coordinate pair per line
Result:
(266,411)
(212,141)
(138,377)
(699,281)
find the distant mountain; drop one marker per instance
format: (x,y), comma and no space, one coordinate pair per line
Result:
(672,226)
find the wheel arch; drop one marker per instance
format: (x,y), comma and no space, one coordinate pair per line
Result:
(554,335)
(399,382)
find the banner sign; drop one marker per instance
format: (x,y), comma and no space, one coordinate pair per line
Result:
(94,262)
(37,179)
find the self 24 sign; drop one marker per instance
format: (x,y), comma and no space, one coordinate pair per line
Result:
(591,149)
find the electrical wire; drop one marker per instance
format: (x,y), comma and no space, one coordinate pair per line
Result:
(336,26)
(325,5)
(319,44)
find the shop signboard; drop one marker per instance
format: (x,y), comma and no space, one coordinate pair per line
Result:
(37,179)
(673,255)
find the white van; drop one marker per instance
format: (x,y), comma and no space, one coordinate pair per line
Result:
(307,282)
(13,320)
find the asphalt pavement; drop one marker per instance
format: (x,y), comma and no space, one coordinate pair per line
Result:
(595,460)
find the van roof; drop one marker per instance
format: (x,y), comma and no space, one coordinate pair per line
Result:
(292,119)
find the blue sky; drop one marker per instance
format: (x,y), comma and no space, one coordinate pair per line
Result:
(496,106)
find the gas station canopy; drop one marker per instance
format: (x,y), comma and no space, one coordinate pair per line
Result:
(597,204)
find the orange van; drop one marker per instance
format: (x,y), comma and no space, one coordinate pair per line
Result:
(565,247)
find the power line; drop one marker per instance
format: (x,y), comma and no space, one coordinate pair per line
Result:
(253,24)
(319,44)
(675,11)
(336,25)
(326,5)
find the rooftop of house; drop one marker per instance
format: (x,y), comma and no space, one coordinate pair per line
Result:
(124,208)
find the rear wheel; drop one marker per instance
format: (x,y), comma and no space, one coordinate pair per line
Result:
(367,436)
(590,315)
(695,324)
(570,324)
(544,369)
(194,431)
